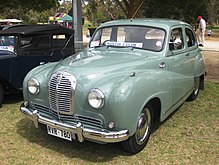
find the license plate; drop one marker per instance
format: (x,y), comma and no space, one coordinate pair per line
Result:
(59,133)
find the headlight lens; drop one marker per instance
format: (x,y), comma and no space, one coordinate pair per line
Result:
(33,86)
(96,98)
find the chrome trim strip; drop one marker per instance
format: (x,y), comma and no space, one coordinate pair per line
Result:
(82,133)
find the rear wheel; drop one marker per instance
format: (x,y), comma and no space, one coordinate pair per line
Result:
(195,92)
(138,141)
(1,95)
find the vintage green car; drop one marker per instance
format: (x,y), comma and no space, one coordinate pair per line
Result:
(133,74)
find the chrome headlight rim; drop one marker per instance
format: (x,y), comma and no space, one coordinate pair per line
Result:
(96,98)
(33,86)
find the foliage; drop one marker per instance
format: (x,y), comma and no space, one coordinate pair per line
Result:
(185,10)
(38,5)
(28,11)
(65,7)
(213,11)
(189,136)
(100,11)
(131,8)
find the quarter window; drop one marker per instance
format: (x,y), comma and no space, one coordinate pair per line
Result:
(59,40)
(190,38)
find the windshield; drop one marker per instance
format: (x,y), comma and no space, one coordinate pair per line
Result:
(7,43)
(149,38)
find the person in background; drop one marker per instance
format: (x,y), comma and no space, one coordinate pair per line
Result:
(9,23)
(209,32)
(201,31)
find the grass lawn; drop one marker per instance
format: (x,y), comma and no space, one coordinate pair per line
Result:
(189,136)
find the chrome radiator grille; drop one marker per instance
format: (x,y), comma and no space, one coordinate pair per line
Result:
(61,93)
(70,119)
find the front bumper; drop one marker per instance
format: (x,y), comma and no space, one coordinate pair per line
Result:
(101,136)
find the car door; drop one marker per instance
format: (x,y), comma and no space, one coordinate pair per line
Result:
(193,51)
(180,64)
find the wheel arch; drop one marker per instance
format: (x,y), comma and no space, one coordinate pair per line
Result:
(156,107)
(202,79)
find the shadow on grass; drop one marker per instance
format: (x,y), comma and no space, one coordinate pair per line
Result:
(89,151)
(13,98)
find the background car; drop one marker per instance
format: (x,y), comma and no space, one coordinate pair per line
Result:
(133,74)
(23,47)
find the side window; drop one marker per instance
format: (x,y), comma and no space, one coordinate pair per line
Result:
(176,39)
(39,44)
(59,40)
(190,38)
(8,43)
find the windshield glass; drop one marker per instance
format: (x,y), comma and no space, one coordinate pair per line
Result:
(7,43)
(149,38)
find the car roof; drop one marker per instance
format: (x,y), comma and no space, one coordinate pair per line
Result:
(36,29)
(156,22)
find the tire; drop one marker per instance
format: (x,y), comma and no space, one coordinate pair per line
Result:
(138,141)
(1,94)
(196,90)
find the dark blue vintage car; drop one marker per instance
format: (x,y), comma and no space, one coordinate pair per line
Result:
(24,47)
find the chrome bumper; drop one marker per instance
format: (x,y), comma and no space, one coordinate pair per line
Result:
(82,133)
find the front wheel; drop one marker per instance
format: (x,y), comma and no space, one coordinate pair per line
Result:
(1,94)
(195,92)
(138,141)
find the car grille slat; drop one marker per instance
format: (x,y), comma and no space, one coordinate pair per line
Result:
(72,119)
(61,92)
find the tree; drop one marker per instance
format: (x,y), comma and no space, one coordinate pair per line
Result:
(111,9)
(185,10)
(100,11)
(213,11)
(38,5)
(26,10)
(131,8)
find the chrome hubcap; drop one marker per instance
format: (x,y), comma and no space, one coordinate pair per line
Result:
(143,126)
(196,87)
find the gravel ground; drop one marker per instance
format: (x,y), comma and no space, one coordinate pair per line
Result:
(212,65)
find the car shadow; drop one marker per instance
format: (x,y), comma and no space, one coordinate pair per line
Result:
(12,98)
(89,151)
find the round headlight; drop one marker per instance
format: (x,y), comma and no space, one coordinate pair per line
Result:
(96,98)
(33,86)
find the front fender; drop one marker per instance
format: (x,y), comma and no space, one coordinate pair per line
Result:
(130,96)
(42,74)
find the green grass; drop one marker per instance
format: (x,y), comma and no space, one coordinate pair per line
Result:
(215,28)
(189,136)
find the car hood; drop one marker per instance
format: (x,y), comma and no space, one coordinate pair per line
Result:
(97,58)
(97,64)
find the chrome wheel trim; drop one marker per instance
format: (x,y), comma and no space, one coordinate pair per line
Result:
(143,125)
(196,85)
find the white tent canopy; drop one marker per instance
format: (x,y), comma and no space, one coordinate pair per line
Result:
(10,20)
